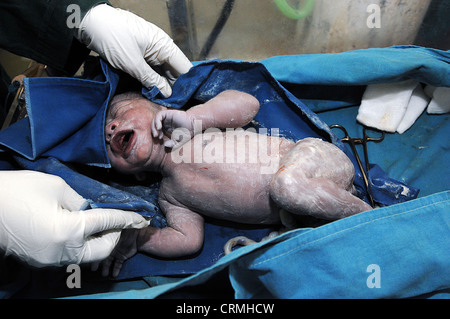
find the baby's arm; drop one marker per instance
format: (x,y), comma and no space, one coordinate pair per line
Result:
(183,236)
(229,109)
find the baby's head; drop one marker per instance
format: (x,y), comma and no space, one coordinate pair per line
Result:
(129,142)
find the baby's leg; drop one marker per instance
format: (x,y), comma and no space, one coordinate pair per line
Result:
(316,178)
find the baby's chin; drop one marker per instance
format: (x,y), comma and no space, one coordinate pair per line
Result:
(125,167)
(118,165)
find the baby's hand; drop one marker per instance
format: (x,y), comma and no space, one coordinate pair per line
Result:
(167,121)
(124,250)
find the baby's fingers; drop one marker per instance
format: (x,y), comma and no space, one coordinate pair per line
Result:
(117,267)
(95,265)
(106,266)
(169,143)
(157,126)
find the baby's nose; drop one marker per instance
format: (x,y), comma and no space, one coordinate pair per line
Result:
(109,130)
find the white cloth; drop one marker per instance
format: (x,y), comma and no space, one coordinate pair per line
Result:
(392,107)
(417,104)
(440,102)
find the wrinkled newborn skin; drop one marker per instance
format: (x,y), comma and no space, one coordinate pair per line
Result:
(311,177)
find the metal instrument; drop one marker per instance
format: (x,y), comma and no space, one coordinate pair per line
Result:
(353,142)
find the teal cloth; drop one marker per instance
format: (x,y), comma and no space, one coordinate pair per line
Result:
(408,241)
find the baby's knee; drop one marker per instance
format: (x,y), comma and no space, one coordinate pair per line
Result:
(289,191)
(193,247)
(319,159)
(193,243)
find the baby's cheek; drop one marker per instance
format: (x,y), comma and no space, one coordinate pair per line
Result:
(143,150)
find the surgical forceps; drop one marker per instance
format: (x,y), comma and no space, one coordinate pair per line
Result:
(364,140)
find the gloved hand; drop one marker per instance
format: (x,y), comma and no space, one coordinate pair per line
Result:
(132,44)
(42,224)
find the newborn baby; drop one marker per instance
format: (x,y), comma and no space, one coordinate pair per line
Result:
(216,173)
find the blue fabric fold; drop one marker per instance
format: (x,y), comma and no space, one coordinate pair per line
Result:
(336,80)
(363,67)
(100,194)
(65,119)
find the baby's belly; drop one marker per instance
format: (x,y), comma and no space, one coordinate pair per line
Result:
(241,205)
(230,179)
(238,195)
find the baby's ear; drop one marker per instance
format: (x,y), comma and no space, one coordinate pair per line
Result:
(141,176)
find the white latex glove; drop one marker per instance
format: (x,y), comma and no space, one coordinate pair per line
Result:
(41,222)
(132,44)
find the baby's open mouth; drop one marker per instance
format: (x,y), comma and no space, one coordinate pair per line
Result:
(123,142)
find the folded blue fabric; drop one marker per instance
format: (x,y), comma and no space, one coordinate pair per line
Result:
(363,67)
(65,119)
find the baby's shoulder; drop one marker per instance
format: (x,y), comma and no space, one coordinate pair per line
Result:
(170,189)
(167,196)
